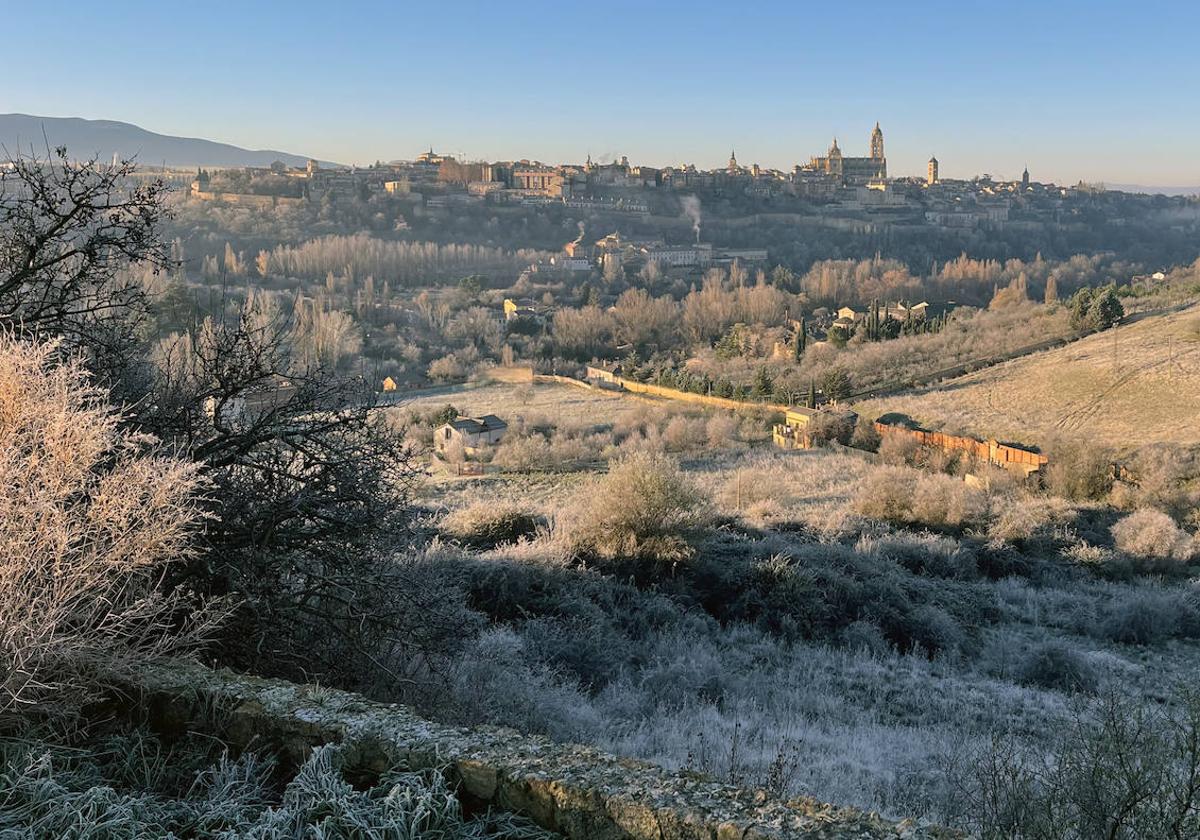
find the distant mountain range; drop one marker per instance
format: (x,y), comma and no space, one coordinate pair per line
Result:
(1142,188)
(85,138)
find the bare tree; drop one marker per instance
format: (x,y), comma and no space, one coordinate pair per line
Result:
(1121,771)
(68,232)
(310,494)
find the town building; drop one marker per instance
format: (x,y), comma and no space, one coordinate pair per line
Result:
(796,431)
(698,255)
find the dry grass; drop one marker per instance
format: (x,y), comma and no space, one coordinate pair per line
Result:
(562,405)
(1136,385)
(812,488)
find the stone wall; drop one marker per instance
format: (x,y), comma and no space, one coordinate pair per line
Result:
(580,792)
(636,387)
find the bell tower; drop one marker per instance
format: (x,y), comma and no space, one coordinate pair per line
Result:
(877,143)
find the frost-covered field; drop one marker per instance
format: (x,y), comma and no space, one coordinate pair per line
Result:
(807,643)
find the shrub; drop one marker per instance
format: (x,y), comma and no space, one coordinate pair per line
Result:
(721,430)
(495,681)
(1117,770)
(49,791)
(644,507)
(90,520)
(944,501)
(1055,666)
(1078,470)
(1147,616)
(887,494)
(447,368)
(523,453)
(684,433)
(900,495)
(897,447)
(1016,519)
(1151,534)
(924,554)
(832,426)
(866,436)
(485,524)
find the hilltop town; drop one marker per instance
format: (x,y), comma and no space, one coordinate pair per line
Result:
(836,186)
(596,500)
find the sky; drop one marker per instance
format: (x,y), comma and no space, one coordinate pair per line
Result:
(1094,91)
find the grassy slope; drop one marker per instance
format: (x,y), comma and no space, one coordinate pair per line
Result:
(561,404)
(1148,391)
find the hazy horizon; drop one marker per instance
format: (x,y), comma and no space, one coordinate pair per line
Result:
(1076,92)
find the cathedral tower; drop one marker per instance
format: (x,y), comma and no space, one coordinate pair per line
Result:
(877,143)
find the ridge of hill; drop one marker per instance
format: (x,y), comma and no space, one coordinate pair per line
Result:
(104,138)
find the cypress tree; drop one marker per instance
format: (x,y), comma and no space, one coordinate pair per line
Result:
(801,340)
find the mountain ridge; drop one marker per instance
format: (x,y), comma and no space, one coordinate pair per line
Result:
(102,138)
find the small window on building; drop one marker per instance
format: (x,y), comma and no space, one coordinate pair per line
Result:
(447,434)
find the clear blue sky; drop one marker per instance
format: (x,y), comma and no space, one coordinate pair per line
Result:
(1092,90)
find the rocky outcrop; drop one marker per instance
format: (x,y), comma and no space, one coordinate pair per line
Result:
(579,792)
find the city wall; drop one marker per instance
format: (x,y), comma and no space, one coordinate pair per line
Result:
(262,202)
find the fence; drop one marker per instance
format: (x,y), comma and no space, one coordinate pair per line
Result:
(991,451)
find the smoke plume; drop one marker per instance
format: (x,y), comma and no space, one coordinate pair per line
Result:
(691,208)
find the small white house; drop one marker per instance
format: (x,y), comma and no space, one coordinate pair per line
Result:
(474,434)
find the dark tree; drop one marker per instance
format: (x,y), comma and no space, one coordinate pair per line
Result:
(310,496)
(69,232)
(835,384)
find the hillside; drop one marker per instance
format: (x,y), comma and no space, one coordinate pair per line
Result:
(1137,384)
(102,138)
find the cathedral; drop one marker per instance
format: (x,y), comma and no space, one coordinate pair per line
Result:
(853,170)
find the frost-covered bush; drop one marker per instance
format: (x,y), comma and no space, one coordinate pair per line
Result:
(496,681)
(887,494)
(644,507)
(1015,519)
(1054,665)
(721,430)
(941,500)
(906,496)
(1149,615)
(487,523)
(1151,534)
(91,516)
